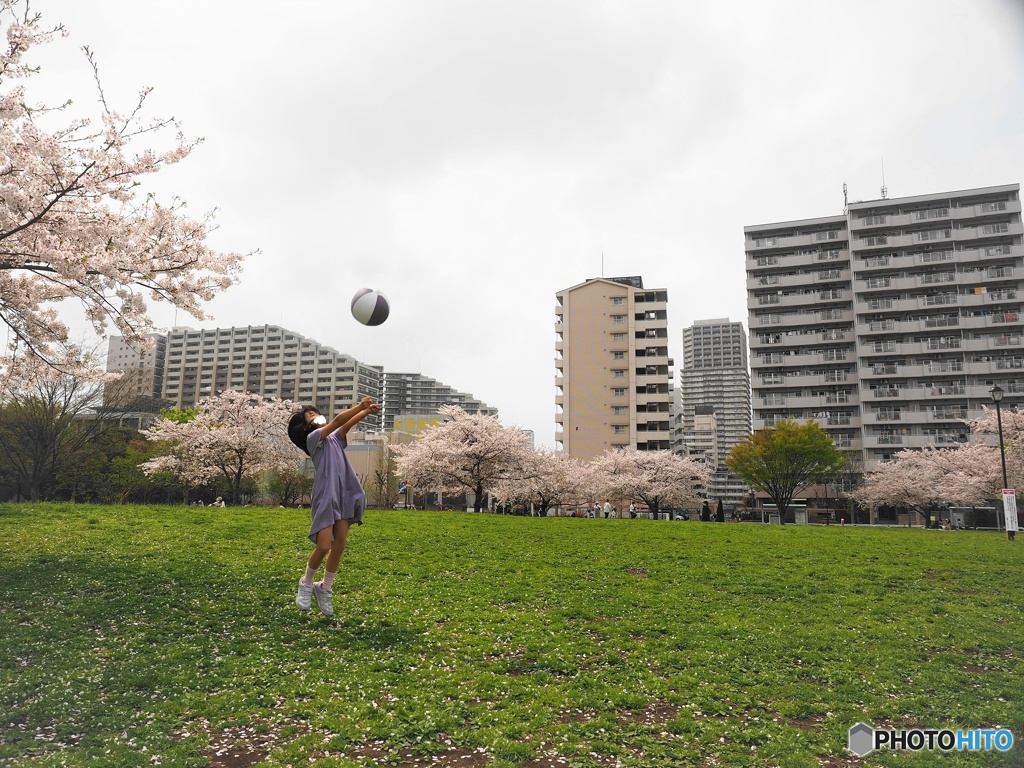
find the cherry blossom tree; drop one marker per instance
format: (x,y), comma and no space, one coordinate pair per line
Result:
(969,475)
(75,223)
(549,479)
(655,478)
(466,452)
(912,479)
(986,430)
(236,435)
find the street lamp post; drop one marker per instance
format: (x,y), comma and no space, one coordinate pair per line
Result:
(997,397)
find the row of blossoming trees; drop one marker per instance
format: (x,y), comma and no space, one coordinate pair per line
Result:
(967,475)
(469,453)
(240,437)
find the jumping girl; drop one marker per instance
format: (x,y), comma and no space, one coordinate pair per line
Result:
(338,499)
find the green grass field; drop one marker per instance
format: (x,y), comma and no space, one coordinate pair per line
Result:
(136,636)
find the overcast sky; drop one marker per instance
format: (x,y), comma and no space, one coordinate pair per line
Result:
(472,158)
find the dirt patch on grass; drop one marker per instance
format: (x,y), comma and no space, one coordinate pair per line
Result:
(575,716)
(839,761)
(560,761)
(810,723)
(655,713)
(377,753)
(250,745)
(241,746)
(454,757)
(640,573)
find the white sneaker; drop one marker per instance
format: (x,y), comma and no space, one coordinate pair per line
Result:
(305,596)
(324,599)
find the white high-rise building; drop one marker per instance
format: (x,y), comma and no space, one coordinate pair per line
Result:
(890,323)
(262,359)
(714,397)
(413,394)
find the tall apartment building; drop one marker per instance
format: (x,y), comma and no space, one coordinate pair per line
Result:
(407,394)
(613,372)
(142,370)
(263,359)
(889,324)
(715,375)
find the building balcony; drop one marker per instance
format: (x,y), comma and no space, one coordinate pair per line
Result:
(812,277)
(991,253)
(882,263)
(937,217)
(1013,228)
(650,306)
(768,320)
(883,395)
(984,367)
(884,284)
(987,209)
(773,360)
(808,380)
(771,301)
(901,441)
(815,402)
(895,420)
(885,441)
(822,239)
(879,242)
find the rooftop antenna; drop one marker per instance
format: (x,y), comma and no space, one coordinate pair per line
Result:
(885,191)
(846,202)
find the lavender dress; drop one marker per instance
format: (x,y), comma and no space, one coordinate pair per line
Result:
(337,492)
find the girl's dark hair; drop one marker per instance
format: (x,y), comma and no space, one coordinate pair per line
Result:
(298,429)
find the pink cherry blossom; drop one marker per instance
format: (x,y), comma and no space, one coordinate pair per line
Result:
(656,478)
(465,453)
(74,222)
(235,435)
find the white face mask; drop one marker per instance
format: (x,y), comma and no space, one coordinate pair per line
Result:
(320,420)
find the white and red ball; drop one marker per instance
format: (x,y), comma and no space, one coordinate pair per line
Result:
(370,307)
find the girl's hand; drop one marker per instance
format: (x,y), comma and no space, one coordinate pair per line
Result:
(374,408)
(366,402)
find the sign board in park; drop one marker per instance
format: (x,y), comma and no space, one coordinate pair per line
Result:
(1010,508)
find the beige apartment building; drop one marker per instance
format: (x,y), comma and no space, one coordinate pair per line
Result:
(613,373)
(889,324)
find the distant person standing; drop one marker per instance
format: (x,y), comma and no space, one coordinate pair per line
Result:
(607,509)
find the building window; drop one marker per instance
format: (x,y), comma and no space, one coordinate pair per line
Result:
(618,355)
(618,319)
(619,373)
(618,301)
(618,391)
